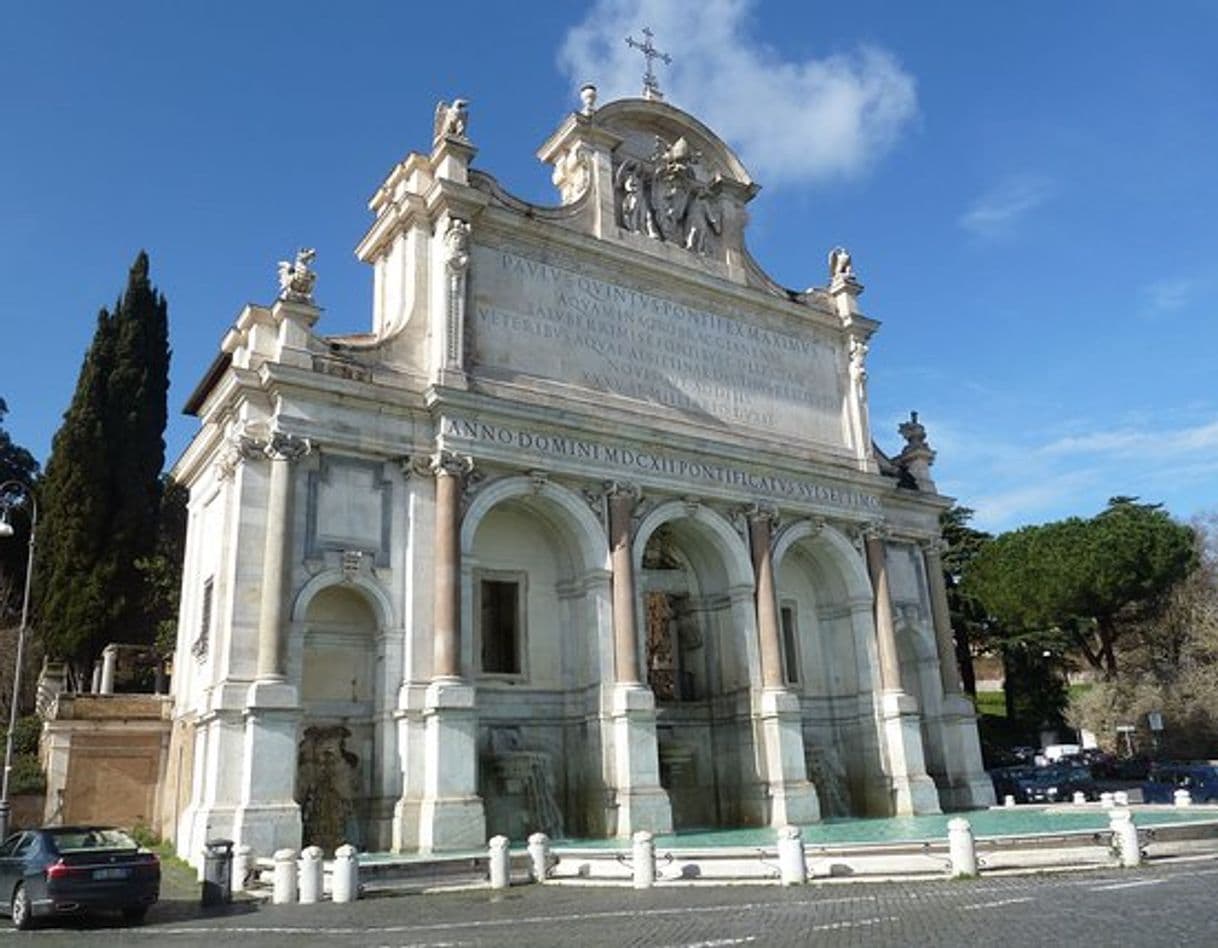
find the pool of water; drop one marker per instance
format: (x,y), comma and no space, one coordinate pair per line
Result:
(1018,821)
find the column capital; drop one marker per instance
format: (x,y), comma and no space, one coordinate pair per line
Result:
(875,530)
(933,546)
(616,489)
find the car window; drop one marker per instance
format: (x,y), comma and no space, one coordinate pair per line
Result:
(10,844)
(25,844)
(91,838)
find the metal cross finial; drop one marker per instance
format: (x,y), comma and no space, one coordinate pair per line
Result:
(651,89)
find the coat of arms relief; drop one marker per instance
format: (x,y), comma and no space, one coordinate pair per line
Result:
(668,199)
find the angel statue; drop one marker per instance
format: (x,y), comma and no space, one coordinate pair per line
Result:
(451,119)
(840,265)
(296,279)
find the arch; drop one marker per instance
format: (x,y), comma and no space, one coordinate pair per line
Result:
(840,552)
(577,524)
(381,604)
(733,551)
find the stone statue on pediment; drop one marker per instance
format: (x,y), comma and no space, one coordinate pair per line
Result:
(841,267)
(451,119)
(296,278)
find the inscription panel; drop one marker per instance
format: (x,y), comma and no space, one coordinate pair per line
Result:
(546,321)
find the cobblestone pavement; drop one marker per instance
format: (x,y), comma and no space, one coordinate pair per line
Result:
(1163,905)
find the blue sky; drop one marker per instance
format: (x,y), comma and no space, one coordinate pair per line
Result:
(1028,190)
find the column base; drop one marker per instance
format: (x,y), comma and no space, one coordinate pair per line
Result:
(451,815)
(913,791)
(642,804)
(969,786)
(793,798)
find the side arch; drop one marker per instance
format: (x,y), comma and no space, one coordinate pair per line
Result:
(378,597)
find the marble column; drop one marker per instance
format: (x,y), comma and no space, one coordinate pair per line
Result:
(451,815)
(779,722)
(268,816)
(968,785)
(949,671)
(913,791)
(640,802)
(282,450)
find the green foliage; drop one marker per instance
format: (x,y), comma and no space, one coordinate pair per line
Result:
(27,775)
(163,570)
(26,734)
(102,487)
(968,616)
(16,464)
(992,703)
(1081,583)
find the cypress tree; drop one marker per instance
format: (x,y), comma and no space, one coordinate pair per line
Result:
(102,486)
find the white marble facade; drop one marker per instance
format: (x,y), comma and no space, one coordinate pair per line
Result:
(587,534)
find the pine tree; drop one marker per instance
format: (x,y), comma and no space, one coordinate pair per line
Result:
(102,486)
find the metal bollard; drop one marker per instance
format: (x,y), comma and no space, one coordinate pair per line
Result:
(284,892)
(643,856)
(792,867)
(1120,798)
(1008,800)
(1080,798)
(500,876)
(539,856)
(243,857)
(1182,798)
(344,878)
(310,875)
(961,848)
(1125,838)
(1106,800)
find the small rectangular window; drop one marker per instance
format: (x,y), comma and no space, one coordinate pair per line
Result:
(199,649)
(501,626)
(790,651)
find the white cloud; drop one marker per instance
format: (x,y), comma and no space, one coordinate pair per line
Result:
(996,212)
(1133,442)
(792,122)
(1169,294)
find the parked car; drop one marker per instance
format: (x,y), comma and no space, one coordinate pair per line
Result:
(1199,778)
(65,870)
(1050,784)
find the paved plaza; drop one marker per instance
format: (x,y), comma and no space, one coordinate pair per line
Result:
(1165,905)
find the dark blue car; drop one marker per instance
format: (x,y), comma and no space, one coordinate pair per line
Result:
(1199,778)
(69,870)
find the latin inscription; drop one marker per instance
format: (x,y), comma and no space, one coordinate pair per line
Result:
(546,321)
(634,462)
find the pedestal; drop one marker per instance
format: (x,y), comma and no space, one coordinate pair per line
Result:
(268,816)
(642,804)
(793,799)
(969,786)
(913,792)
(450,814)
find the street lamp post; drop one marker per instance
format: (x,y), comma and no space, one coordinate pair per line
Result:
(6,530)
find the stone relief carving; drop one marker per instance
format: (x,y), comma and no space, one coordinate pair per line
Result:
(572,173)
(286,447)
(341,368)
(456,244)
(666,199)
(296,278)
(858,367)
(451,119)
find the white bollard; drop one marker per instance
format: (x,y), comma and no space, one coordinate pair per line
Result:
(1121,798)
(284,892)
(1182,798)
(243,856)
(1106,800)
(344,878)
(1125,838)
(500,877)
(792,866)
(1008,800)
(539,856)
(961,848)
(310,875)
(1080,798)
(643,853)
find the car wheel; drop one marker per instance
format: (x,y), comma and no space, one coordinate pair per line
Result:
(135,914)
(23,912)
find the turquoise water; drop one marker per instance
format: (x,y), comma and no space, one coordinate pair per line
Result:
(1019,821)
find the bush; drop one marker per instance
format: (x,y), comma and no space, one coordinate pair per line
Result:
(27,775)
(26,735)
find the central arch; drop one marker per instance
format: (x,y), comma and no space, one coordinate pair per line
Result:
(699,652)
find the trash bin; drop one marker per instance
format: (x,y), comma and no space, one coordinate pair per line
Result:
(217,871)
